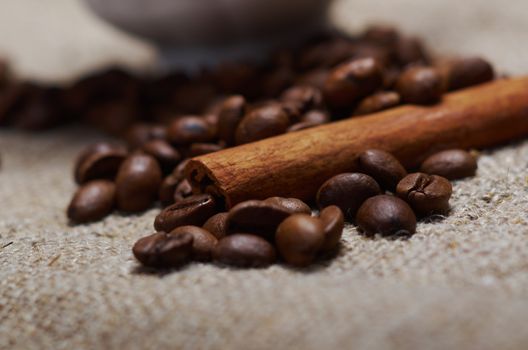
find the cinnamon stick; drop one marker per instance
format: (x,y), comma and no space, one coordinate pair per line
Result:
(296,164)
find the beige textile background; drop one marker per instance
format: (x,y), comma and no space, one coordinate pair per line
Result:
(460,283)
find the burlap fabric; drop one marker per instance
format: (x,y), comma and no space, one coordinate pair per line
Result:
(459,283)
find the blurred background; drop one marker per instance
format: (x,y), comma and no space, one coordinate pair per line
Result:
(56,40)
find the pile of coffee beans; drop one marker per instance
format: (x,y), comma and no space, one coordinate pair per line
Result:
(164,121)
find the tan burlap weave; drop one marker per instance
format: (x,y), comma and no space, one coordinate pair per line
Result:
(459,283)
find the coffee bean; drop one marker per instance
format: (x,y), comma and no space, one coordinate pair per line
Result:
(99,161)
(378,102)
(383,167)
(262,123)
(299,239)
(244,250)
(386,215)
(167,189)
(257,217)
(426,194)
(203,241)
(352,81)
(166,155)
(292,205)
(190,129)
(198,149)
(140,133)
(325,54)
(315,78)
(194,210)
(302,126)
(217,225)
(420,85)
(231,113)
(410,51)
(452,164)
(183,190)
(137,183)
(469,71)
(334,222)
(381,35)
(273,81)
(93,201)
(347,191)
(163,251)
(303,98)
(316,116)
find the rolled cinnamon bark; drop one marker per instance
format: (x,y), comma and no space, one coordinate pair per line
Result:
(296,164)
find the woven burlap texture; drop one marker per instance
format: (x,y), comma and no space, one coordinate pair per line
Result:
(459,283)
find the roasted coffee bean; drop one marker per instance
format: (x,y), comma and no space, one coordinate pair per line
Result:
(217,225)
(381,35)
(257,217)
(383,167)
(299,239)
(167,189)
(378,102)
(420,85)
(426,194)
(302,126)
(198,149)
(163,251)
(469,71)
(41,109)
(93,201)
(303,98)
(244,250)
(452,164)
(167,156)
(325,54)
(137,183)
(410,51)
(179,171)
(190,129)
(316,116)
(387,215)
(183,190)
(140,133)
(352,81)
(315,78)
(334,223)
(293,205)
(99,161)
(203,241)
(347,191)
(194,210)
(231,113)
(262,123)
(112,117)
(274,81)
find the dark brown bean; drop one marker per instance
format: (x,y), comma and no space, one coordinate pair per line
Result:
(410,51)
(387,215)
(183,190)
(167,156)
(303,98)
(381,34)
(316,116)
(255,216)
(163,251)
(469,71)
(93,201)
(167,189)
(232,111)
(137,183)
(426,194)
(292,205)
(378,102)
(299,239)
(217,225)
(334,223)
(190,129)
(194,210)
(262,123)
(315,78)
(383,167)
(140,133)
(244,250)
(452,164)
(302,126)
(420,85)
(352,81)
(347,191)
(99,161)
(203,241)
